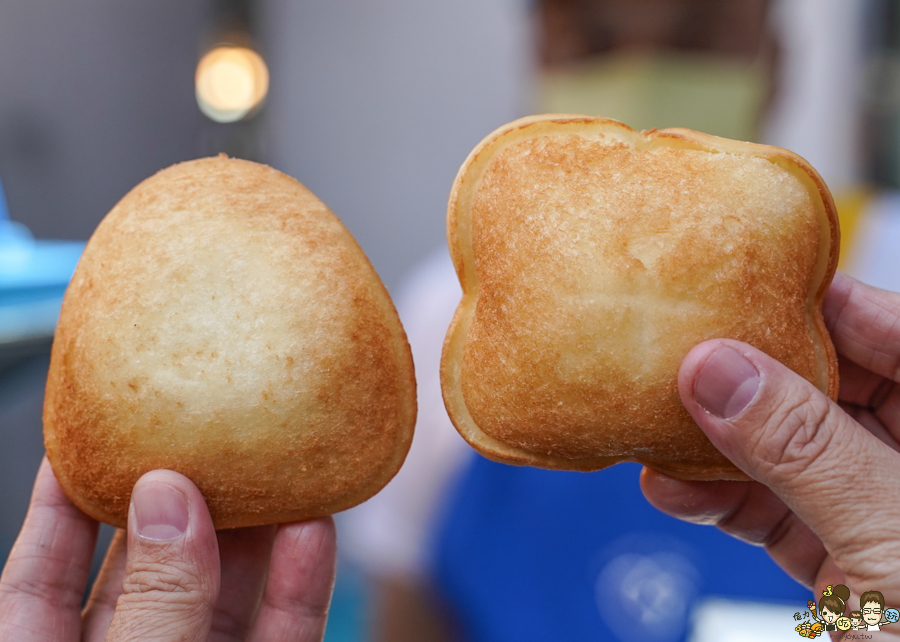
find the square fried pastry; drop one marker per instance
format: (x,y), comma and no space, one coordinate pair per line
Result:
(592,258)
(224,324)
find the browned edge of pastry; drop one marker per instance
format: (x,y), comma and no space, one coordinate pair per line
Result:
(459,238)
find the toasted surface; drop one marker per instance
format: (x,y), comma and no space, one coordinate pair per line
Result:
(593,258)
(224,324)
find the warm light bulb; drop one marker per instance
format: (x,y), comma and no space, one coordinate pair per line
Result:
(230,82)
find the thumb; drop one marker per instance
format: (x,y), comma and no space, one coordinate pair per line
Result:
(783,432)
(172,570)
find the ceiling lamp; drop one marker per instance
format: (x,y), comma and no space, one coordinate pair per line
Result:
(231,82)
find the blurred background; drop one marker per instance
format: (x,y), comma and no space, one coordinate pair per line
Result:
(373,105)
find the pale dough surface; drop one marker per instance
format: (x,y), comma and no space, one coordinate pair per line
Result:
(224,324)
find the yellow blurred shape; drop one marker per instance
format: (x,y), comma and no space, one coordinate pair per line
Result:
(230,83)
(851,206)
(648,90)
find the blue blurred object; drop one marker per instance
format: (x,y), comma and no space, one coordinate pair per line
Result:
(347,614)
(33,278)
(524,554)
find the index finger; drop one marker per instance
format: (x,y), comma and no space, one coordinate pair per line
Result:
(295,602)
(43,584)
(747,510)
(864,323)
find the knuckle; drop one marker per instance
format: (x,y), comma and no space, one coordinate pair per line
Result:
(152,622)
(43,590)
(300,613)
(164,599)
(796,435)
(165,583)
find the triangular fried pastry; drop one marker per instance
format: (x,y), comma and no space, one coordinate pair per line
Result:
(224,324)
(593,257)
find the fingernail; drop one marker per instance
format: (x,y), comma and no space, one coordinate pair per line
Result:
(160,511)
(726,384)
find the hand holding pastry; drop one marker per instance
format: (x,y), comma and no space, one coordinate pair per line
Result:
(179,579)
(825,473)
(223,324)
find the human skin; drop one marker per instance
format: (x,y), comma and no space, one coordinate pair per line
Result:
(170,576)
(826,475)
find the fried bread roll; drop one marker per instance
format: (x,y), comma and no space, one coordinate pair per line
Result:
(224,324)
(592,258)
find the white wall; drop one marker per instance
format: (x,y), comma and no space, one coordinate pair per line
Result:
(374,104)
(817,110)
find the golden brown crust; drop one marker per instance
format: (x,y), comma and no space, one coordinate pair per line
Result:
(593,257)
(224,324)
